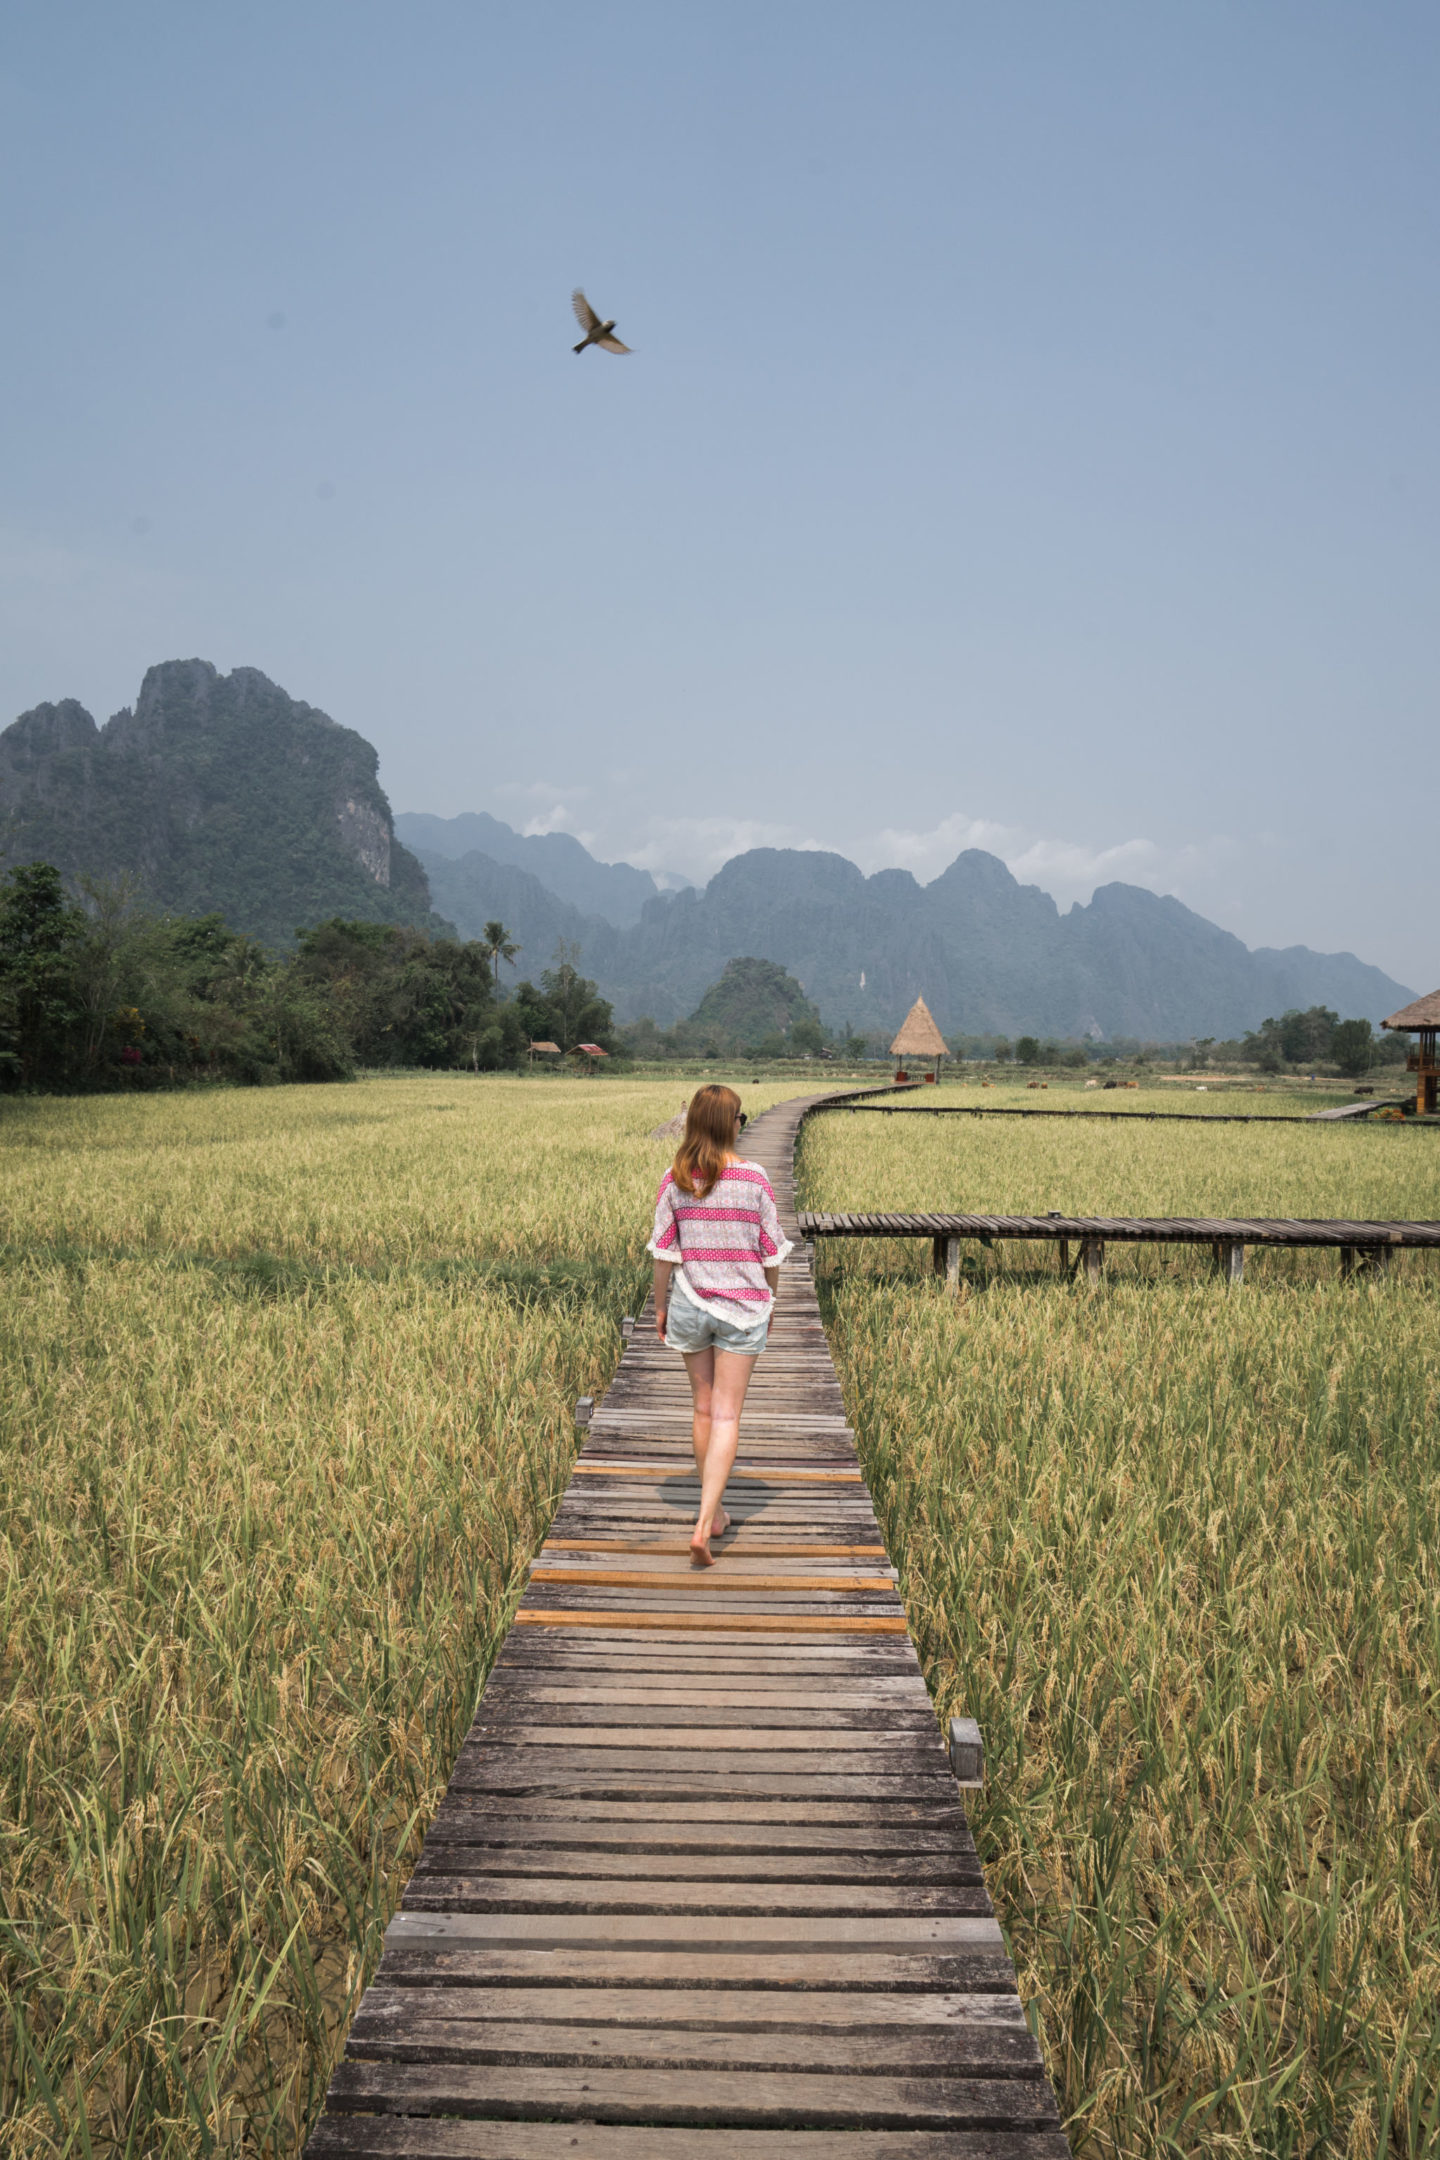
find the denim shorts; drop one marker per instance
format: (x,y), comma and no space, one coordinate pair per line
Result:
(687,1329)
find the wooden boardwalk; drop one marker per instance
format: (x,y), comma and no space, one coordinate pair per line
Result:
(702,1887)
(1359,1244)
(1143,1117)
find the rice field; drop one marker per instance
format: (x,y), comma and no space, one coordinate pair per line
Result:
(285,1406)
(1176,1548)
(286,1384)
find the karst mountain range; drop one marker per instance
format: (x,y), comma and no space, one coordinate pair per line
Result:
(221,793)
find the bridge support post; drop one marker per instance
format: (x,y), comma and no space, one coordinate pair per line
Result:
(1230,1259)
(1092,1257)
(946,1260)
(1364,1259)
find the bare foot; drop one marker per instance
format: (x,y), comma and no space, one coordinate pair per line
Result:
(720,1525)
(700,1553)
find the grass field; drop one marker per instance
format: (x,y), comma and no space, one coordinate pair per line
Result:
(286,1382)
(1176,1548)
(285,1405)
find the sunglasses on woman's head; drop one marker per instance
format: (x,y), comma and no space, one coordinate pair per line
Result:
(744,1120)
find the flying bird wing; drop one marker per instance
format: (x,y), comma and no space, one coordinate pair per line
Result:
(585,315)
(611,344)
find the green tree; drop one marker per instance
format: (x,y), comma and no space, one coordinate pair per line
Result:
(1264,1046)
(497,945)
(1027,1051)
(401,997)
(808,1037)
(567,1008)
(1352,1046)
(1305,1037)
(41,1014)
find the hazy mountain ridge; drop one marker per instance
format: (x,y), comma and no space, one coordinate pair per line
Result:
(222,793)
(215,793)
(615,891)
(987,953)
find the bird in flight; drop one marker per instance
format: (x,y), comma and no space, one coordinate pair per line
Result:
(596,332)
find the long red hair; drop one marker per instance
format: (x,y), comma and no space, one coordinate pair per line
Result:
(709,1132)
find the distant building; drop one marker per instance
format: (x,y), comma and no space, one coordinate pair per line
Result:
(1422,1019)
(919,1039)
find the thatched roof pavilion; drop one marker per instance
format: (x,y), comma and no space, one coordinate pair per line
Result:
(1422,1019)
(1424,1013)
(919,1037)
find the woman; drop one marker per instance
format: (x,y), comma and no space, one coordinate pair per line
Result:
(718,1247)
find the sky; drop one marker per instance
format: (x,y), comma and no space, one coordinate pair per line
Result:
(1029,441)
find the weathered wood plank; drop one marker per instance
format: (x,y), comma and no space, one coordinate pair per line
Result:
(418,2137)
(435,1961)
(458,1863)
(735,2010)
(411,2028)
(741,2100)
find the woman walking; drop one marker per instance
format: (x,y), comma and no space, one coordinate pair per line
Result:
(718,1249)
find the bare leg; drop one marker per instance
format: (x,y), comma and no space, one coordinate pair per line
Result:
(727,1397)
(700,1365)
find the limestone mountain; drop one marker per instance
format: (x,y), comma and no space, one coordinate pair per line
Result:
(215,793)
(220,793)
(473,889)
(752,1000)
(615,891)
(987,953)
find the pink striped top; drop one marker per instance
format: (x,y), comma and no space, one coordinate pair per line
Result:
(723,1243)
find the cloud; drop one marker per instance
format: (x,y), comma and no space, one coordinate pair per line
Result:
(559,819)
(697,847)
(928,853)
(1068,870)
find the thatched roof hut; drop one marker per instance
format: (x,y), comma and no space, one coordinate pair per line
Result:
(1422,1019)
(1412,1019)
(919,1037)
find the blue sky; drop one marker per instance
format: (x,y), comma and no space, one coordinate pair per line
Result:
(1030,439)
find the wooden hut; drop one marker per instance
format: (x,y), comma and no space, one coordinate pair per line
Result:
(544,1049)
(919,1039)
(1422,1019)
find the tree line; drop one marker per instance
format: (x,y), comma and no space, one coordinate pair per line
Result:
(99,994)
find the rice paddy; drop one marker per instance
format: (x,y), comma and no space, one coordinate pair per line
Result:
(286,1385)
(1176,1548)
(287,1388)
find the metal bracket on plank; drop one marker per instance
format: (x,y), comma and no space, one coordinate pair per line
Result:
(584,1409)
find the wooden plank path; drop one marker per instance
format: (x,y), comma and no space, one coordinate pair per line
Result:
(1359,1244)
(1144,1117)
(702,1886)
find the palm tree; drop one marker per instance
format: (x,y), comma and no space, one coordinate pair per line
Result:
(497,944)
